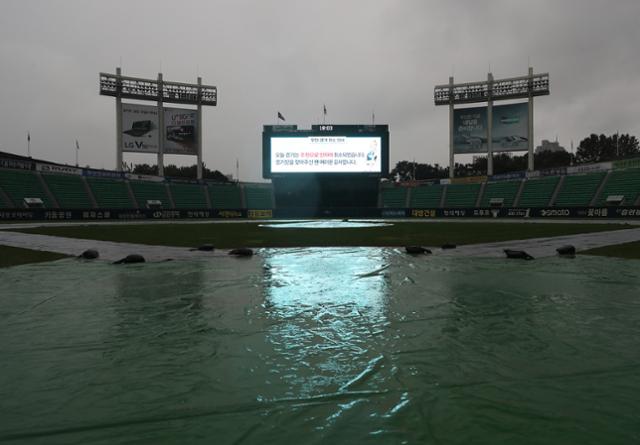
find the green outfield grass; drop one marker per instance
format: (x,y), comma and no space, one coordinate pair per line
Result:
(14,256)
(252,235)
(626,250)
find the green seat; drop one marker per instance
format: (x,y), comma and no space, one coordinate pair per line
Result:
(622,182)
(188,196)
(18,185)
(258,197)
(110,193)
(462,195)
(426,197)
(394,197)
(579,190)
(507,190)
(145,191)
(225,196)
(538,192)
(69,191)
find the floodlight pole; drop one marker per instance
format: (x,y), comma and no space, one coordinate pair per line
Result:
(119,148)
(199,129)
(530,132)
(489,124)
(161,132)
(451,123)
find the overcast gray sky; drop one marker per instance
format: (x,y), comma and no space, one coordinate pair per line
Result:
(293,56)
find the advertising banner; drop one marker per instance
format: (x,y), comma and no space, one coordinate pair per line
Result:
(180,131)
(64,169)
(589,168)
(470,130)
(139,128)
(510,128)
(326,154)
(627,163)
(139,177)
(468,180)
(16,164)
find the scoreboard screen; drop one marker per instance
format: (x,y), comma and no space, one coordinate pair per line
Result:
(326,149)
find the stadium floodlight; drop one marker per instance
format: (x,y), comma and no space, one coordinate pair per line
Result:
(499,89)
(152,89)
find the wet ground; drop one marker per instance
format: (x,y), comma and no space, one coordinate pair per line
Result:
(327,345)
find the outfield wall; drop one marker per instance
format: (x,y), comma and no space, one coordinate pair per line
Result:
(624,213)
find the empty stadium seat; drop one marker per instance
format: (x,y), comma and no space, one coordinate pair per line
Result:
(69,191)
(426,196)
(188,196)
(462,195)
(225,196)
(579,190)
(394,197)
(145,191)
(622,182)
(110,193)
(506,190)
(258,197)
(538,192)
(18,184)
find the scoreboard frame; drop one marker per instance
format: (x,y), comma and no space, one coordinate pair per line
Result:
(351,131)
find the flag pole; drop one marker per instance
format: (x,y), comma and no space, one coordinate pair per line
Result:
(29,144)
(77,151)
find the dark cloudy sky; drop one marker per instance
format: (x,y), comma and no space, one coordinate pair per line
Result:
(293,56)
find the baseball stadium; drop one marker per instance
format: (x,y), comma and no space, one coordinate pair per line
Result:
(330,303)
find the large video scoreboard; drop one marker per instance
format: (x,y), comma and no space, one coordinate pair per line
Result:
(325,150)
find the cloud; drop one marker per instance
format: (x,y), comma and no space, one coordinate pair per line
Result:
(293,57)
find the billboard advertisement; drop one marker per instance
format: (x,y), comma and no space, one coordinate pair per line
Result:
(326,154)
(180,131)
(470,130)
(510,128)
(139,128)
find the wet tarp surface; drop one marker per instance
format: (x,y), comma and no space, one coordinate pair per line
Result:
(324,345)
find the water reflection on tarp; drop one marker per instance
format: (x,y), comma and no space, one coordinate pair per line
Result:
(326,306)
(326,224)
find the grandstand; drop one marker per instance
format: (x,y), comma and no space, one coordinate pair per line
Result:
(111,193)
(258,196)
(625,183)
(394,197)
(64,187)
(18,185)
(223,196)
(461,195)
(579,190)
(188,196)
(426,196)
(69,190)
(505,190)
(144,191)
(538,192)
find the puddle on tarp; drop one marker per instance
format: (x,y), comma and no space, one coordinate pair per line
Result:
(326,224)
(321,345)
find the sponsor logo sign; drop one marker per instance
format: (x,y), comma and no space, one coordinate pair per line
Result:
(260,214)
(63,169)
(139,128)
(180,131)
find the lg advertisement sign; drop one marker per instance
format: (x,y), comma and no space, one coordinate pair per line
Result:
(141,132)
